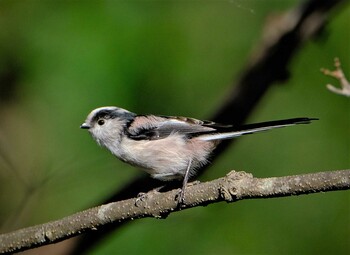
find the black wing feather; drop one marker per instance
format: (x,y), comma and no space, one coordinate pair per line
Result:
(159,127)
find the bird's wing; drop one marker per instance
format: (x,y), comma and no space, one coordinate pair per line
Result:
(151,127)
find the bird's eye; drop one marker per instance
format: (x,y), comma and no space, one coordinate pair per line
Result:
(101,122)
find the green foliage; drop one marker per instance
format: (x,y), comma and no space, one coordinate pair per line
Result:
(172,58)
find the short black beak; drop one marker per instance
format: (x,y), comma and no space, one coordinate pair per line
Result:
(84,126)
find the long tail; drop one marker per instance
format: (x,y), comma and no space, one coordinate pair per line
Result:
(253,128)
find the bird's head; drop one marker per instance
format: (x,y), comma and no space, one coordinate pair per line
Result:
(106,124)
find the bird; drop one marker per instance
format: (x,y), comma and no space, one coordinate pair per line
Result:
(167,147)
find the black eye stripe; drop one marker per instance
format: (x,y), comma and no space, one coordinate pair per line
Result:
(103,114)
(112,114)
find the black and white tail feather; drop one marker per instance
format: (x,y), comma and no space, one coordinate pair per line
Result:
(232,132)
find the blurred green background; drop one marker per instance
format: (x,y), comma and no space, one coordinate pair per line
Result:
(59,60)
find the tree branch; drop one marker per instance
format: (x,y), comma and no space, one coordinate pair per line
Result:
(233,187)
(338,74)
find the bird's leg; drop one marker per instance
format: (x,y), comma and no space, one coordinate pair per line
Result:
(184,183)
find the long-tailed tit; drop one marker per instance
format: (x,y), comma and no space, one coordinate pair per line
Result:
(166,147)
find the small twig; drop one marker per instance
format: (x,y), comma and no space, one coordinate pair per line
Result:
(339,75)
(233,187)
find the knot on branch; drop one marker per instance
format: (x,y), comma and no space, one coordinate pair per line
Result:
(230,189)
